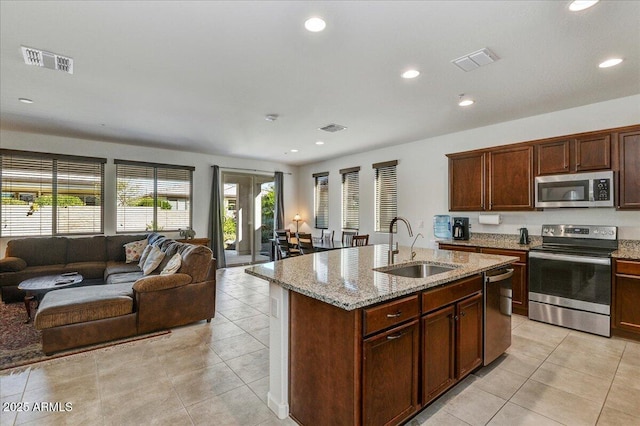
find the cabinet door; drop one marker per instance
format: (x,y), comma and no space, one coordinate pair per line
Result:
(390,375)
(466,182)
(438,353)
(627,308)
(468,335)
(629,170)
(593,153)
(553,157)
(511,179)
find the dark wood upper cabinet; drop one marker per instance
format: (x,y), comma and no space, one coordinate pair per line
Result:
(553,157)
(511,179)
(629,189)
(593,152)
(466,182)
(502,178)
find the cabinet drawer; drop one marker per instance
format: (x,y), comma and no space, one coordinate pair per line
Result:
(442,296)
(500,252)
(627,267)
(391,313)
(455,247)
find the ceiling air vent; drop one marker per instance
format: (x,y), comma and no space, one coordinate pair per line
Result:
(475,60)
(49,60)
(332,128)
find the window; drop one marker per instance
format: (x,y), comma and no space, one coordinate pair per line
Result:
(49,194)
(350,198)
(386,197)
(321,200)
(153,197)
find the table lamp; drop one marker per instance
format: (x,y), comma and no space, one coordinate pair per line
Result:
(297,220)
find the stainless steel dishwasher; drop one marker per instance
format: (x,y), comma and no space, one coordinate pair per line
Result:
(497,313)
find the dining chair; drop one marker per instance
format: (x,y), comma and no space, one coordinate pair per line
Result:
(327,236)
(284,248)
(347,236)
(305,243)
(360,240)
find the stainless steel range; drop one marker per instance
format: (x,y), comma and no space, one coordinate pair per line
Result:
(570,277)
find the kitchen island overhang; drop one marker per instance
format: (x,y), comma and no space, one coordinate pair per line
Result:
(347,279)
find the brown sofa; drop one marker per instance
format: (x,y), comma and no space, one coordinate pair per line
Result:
(128,303)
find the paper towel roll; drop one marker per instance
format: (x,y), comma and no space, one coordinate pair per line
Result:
(490,219)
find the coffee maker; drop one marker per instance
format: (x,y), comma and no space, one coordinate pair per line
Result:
(460,228)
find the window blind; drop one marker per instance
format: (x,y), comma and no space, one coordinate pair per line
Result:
(351,198)
(386,195)
(321,200)
(48,194)
(153,197)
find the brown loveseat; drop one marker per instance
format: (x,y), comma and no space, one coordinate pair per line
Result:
(127,304)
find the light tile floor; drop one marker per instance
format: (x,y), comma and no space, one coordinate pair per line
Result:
(217,374)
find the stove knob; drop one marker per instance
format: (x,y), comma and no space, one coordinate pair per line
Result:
(596,232)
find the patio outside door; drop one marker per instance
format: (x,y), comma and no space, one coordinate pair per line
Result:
(249,205)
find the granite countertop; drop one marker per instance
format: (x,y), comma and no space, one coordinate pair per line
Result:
(499,241)
(346,278)
(627,249)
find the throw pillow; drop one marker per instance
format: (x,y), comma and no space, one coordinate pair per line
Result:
(12,264)
(143,256)
(153,260)
(173,265)
(133,250)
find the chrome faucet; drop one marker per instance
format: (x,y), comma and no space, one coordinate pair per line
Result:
(394,250)
(413,253)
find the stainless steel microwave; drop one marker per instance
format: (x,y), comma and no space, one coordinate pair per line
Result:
(575,190)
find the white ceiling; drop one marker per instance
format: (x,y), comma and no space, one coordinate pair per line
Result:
(201,76)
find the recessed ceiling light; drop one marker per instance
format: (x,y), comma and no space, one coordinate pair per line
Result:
(25,100)
(464,101)
(578,5)
(410,74)
(319,143)
(271,117)
(610,63)
(315,25)
(294,150)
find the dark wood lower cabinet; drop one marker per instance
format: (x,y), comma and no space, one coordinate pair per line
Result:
(451,346)
(438,353)
(390,375)
(363,367)
(626,296)
(468,335)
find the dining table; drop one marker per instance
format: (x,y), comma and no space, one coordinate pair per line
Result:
(325,245)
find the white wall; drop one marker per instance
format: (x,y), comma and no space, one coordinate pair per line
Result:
(201,177)
(423,175)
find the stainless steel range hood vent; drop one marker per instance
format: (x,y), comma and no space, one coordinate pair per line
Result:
(52,61)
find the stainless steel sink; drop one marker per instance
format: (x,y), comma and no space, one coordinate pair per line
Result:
(420,270)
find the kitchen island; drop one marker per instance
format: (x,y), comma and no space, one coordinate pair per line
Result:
(352,344)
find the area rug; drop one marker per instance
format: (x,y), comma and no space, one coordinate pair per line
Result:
(21,344)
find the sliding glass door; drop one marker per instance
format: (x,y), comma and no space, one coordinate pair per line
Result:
(249,204)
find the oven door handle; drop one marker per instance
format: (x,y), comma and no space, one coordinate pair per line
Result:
(570,258)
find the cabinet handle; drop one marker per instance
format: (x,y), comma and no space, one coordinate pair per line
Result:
(394,336)
(462,313)
(396,315)
(455,318)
